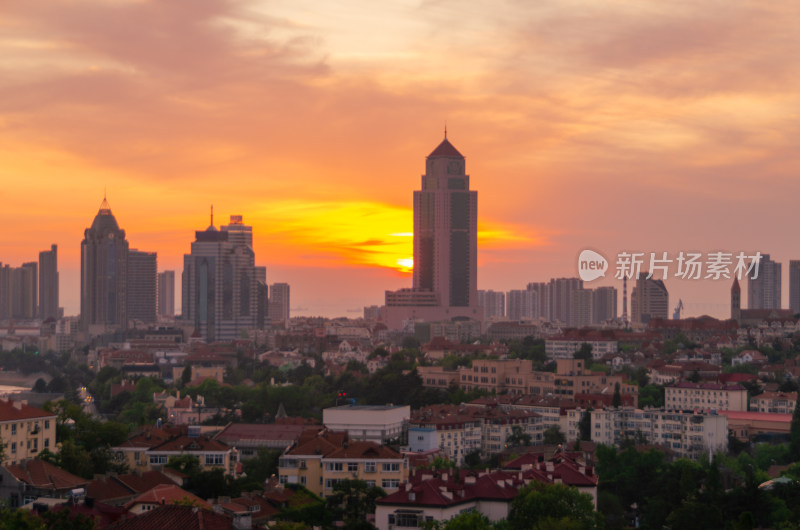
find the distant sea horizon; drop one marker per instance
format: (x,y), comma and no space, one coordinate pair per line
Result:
(9,389)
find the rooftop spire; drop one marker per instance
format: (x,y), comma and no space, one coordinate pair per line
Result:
(445,130)
(104,205)
(212,215)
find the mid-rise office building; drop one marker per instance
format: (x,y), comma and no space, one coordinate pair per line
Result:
(220,281)
(48,283)
(142,286)
(649,300)
(764,292)
(166,293)
(604,304)
(521,304)
(279,303)
(794,285)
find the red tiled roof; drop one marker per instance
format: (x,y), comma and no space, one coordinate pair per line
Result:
(188,444)
(120,486)
(172,517)
(364,450)
(43,475)
(260,431)
(15,410)
(167,494)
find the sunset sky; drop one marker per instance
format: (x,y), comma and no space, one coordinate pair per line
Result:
(611,125)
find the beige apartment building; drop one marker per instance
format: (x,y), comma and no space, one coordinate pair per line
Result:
(25,431)
(705,396)
(320,459)
(516,376)
(774,402)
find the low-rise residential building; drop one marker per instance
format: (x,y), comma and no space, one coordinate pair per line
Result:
(775,402)
(565,346)
(705,396)
(458,430)
(320,459)
(372,423)
(25,431)
(25,482)
(248,438)
(688,434)
(759,426)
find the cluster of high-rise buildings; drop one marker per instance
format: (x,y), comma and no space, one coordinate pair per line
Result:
(224,292)
(31,290)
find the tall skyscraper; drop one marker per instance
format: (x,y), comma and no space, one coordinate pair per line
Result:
(764,292)
(649,300)
(142,286)
(445,282)
(48,283)
(604,304)
(220,281)
(5,291)
(794,286)
(26,291)
(736,300)
(104,272)
(166,293)
(279,303)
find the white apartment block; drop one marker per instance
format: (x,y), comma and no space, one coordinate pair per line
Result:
(559,348)
(705,396)
(370,423)
(689,435)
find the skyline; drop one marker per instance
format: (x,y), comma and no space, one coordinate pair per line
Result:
(627,126)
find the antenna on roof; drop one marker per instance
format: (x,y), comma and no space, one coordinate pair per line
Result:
(445,129)
(212,215)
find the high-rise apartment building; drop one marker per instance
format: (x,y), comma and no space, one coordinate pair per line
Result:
(279,303)
(18,291)
(560,292)
(48,283)
(542,290)
(104,272)
(580,308)
(142,286)
(493,304)
(445,283)
(649,300)
(521,304)
(166,294)
(220,281)
(604,304)
(794,286)
(764,292)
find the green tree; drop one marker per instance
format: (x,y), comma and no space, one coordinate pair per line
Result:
(352,500)
(262,466)
(584,352)
(794,433)
(616,400)
(585,426)
(554,436)
(518,437)
(540,506)
(186,375)
(468,521)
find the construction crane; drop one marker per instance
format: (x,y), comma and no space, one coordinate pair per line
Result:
(676,315)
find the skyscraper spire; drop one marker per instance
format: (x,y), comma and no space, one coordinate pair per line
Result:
(212,215)
(445,130)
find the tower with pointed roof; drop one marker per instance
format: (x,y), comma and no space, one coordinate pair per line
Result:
(445,279)
(104,273)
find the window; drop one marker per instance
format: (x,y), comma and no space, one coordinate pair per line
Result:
(158,459)
(370,483)
(369,467)
(283,479)
(13,447)
(46,424)
(392,466)
(215,460)
(390,483)
(13,428)
(330,482)
(334,466)
(303,480)
(352,467)
(46,443)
